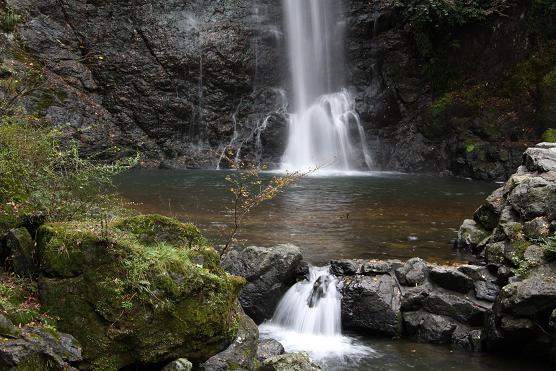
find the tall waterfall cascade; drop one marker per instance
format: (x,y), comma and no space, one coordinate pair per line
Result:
(324,129)
(308,318)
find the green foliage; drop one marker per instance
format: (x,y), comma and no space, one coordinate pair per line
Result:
(550,79)
(9,20)
(18,299)
(38,174)
(549,136)
(438,13)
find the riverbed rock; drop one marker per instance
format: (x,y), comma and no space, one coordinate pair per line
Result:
(268,348)
(39,349)
(427,327)
(488,214)
(181,364)
(151,292)
(269,271)
(458,307)
(413,272)
(241,354)
(372,304)
(344,267)
(451,279)
(299,361)
(470,235)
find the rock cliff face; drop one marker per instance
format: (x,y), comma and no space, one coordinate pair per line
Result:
(183,81)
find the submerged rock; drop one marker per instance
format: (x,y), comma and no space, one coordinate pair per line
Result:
(150,291)
(269,271)
(290,362)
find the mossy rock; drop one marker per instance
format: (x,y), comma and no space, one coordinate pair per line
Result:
(145,290)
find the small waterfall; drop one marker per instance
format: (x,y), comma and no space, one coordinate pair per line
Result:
(325,127)
(308,318)
(311,307)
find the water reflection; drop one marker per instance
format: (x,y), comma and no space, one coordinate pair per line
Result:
(381,216)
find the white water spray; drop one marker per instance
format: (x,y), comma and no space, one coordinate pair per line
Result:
(308,318)
(325,129)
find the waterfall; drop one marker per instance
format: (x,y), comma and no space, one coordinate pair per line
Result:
(308,318)
(324,128)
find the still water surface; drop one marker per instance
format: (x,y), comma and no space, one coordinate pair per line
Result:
(385,215)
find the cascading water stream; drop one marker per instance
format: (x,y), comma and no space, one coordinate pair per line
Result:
(308,318)
(324,130)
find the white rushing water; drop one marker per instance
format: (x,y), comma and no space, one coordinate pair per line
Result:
(308,318)
(324,129)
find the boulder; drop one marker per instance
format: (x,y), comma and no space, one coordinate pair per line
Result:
(486,290)
(457,307)
(468,339)
(534,197)
(269,271)
(21,246)
(487,215)
(7,328)
(151,293)
(530,296)
(413,272)
(414,298)
(427,327)
(299,361)
(378,267)
(242,353)
(470,235)
(344,267)
(39,349)
(268,348)
(181,364)
(541,158)
(451,279)
(372,304)
(536,228)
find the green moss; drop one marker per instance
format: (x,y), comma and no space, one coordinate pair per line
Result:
(150,229)
(549,136)
(151,288)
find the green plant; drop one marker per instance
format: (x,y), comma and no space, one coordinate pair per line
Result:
(40,175)
(249,190)
(549,136)
(9,20)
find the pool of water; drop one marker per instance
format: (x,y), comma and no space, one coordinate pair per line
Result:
(380,215)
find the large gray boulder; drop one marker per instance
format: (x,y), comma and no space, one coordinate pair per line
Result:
(372,304)
(269,271)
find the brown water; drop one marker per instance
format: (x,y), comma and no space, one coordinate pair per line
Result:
(381,216)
